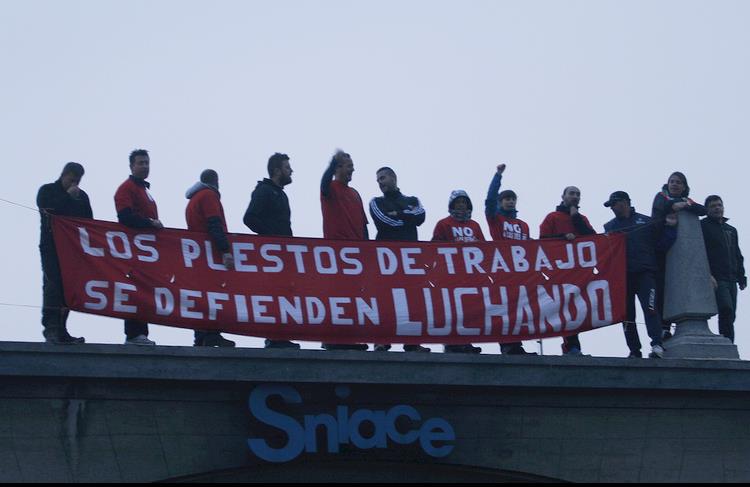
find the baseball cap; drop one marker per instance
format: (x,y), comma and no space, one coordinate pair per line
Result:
(616,196)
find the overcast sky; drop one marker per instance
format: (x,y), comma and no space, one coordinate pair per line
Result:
(604,95)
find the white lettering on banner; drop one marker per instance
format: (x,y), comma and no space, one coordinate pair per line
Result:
(121,298)
(492,310)
(409,261)
(298,250)
(187,302)
(213,303)
(190,251)
(101,298)
(139,240)
(118,244)
(387,261)
(274,259)
(571,290)
(240,259)
(473,257)
(259,309)
(520,264)
(524,313)
(583,261)
(164,301)
(126,253)
(457,295)
(83,237)
(320,266)
(348,259)
(337,311)
(212,264)
(593,290)
(549,309)
(542,261)
(570,263)
(499,263)
(404,326)
(448,253)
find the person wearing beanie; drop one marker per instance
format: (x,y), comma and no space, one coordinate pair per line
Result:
(459,227)
(502,218)
(204,213)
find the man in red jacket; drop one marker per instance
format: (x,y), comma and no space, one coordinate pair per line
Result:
(502,218)
(204,213)
(344,215)
(136,208)
(459,227)
(568,223)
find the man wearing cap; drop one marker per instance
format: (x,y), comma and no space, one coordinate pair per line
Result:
(568,223)
(643,241)
(459,227)
(502,218)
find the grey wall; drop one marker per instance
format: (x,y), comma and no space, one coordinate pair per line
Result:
(112,413)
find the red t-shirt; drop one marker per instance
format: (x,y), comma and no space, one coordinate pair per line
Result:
(451,230)
(343,214)
(136,197)
(203,205)
(506,228)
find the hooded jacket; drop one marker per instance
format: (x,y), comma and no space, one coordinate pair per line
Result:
(402,226)
(268,212)
(458,227)
(723,250)
(204,213)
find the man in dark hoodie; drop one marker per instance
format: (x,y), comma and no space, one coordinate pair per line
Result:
(459,227)
(204,213)
(568,223)
(269,214)
(63,198)
(726,263)
(396,217)
(672,198)
(502,218)
(643,241)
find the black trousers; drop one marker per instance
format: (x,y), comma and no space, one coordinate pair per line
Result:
(54,312)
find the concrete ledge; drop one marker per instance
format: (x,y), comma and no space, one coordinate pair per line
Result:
(318,366)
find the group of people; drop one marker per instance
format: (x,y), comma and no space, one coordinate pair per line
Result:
(396,217)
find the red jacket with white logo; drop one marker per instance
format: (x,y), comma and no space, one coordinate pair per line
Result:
(504,227)
(452,230)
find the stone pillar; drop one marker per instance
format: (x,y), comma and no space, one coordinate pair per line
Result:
(689,299)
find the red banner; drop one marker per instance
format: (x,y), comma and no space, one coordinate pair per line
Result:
(338,291)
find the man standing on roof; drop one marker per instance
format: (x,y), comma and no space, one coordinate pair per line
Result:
(344,216)
(502,218)
(268,212)
(459,227)
(397,217)
(568,223)
(204,213)
(64,198)
(136,208)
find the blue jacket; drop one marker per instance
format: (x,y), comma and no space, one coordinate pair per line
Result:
(645,237)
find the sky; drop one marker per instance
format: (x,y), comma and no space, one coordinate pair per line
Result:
(605,95)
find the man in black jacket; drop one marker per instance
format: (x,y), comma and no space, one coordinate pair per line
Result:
(396,217)
(63,198)
(269,214)
(726,262)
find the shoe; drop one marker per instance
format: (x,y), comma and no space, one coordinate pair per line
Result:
(657,351)
(140,340)
(215,340)
(62,338)
(575,352)
(281,344)
(516,350)
(382,348)
(461,349)
(362,347)
(635,355)
(416,348)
